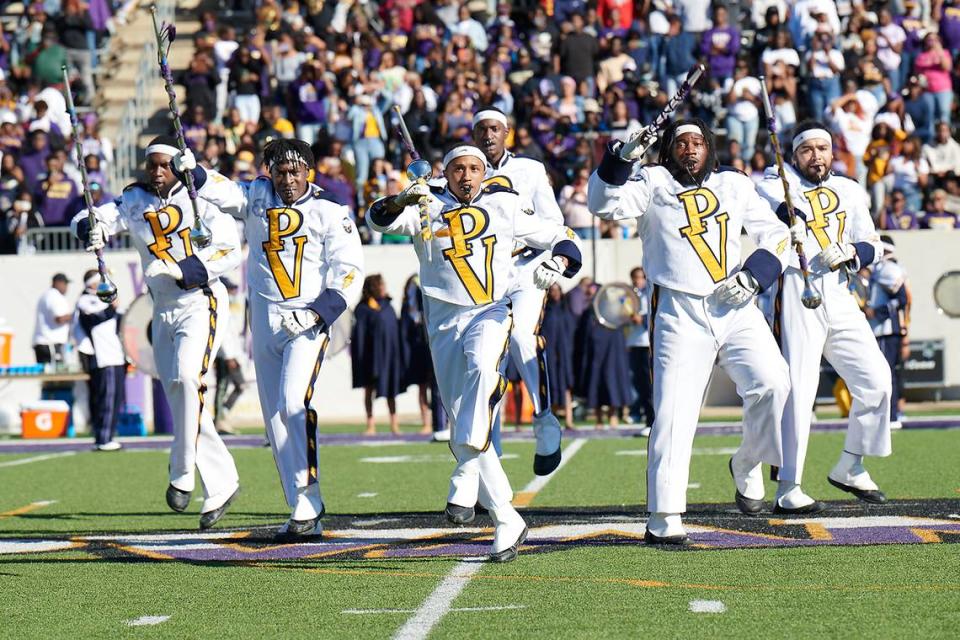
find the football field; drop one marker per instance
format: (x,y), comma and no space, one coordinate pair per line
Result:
(88,548)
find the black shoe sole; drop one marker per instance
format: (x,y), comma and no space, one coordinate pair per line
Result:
(747,506)
(869,496)
(666,541)
(172,494)
(210,518)
(545,465)
(814,507)
(304,527)
(510,553)
(459,515)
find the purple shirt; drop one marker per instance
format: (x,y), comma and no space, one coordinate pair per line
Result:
(341,190)
(54,198)
(904,221)
(34,164)
(727,41)
(950,28)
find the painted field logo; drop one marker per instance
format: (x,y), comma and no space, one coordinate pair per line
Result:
(413,536)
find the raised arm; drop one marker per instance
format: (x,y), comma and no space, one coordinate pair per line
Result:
(611,192)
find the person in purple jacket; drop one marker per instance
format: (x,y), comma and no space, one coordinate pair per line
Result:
(950,25)
(720,45)
(34,159)
(55,193)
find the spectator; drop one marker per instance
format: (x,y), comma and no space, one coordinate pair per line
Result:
(368,135)
(695,15)
(329,177)
(910,172)
(201,81)
(46,62)
(52,328)
(743,98)
(223,49)
(578,54)
(102,358)
(638,342)
(884,144)
(937,216)
(887,310)
(898,217)
(557,329)
(246,75)
(375,351)
(890,43)
(918,104)
(942,154)
(55,192)
(679,55)
(469,27)
(935,64)
(415,350)
(573,204)
(603,371)
(720,45)
(824,65)
(780,64)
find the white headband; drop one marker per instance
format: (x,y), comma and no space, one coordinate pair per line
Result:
(812,134)
(490,114)
(288,156)
(163,148)
(463,150)
(92,281)
(687,128)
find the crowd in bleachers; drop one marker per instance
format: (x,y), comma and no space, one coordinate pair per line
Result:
(570,74)
(39,179)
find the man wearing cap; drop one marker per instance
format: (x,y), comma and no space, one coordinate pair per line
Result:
(691,214)
(191,308)
(464,237)
(527,348)
(52,328)
(304,269)
(887,310)
(102,357)
(838,237)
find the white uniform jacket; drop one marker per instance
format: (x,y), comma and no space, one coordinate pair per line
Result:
(470,262)
(160,230)
(690,234)
(307,254)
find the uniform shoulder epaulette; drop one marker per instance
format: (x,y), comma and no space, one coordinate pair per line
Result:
(437,188)
(501,180)
(137,185)
(320,194)
(728,169)
(496,187)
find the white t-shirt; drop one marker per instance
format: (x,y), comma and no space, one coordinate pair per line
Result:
(821,68)
(890,35)
(906,172)
(695,14)
(744,110)
(787,56)
(52,304)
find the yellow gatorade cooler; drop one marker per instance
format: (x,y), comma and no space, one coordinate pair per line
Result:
(45,419)
(6,340)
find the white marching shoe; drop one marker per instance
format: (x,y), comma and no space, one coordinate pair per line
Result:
(509,533)
(548,432)
(665,529)
(850,476)
(792,500)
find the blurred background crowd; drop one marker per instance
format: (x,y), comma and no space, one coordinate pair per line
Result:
(570,74)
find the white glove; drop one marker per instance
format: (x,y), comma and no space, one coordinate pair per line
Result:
(798,231)
(96,237)
(159,268)
(635,147)
(415,194)
(297,321)
(737,289)
(548,272)
(836,254)
(184,161)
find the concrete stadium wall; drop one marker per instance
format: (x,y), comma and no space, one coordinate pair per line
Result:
(925,254)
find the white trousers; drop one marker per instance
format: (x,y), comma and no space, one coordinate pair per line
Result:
(287,371)
(468,345)
(689,333)
(186,336)
(527,347)
(838,331)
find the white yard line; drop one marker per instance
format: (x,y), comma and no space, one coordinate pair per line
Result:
(46,456)
(437,604)
(707,606)
(697,451)
(526,495)
(146,621)
(455,610)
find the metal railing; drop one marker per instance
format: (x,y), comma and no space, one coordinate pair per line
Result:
(62,240)
(138,110)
